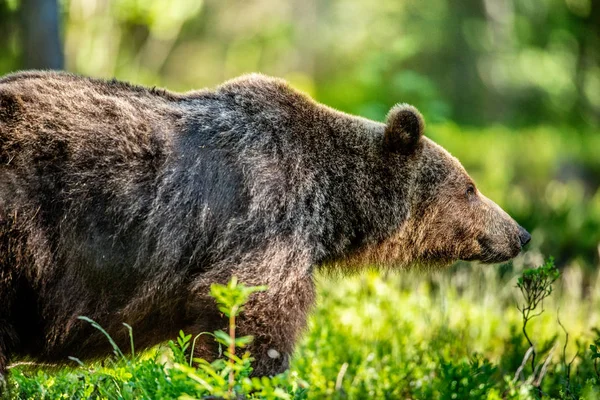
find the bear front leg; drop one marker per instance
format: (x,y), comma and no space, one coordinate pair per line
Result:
(3,359)
(3,370)
(272,351)
(276,319)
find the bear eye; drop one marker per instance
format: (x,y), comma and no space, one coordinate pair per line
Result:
(470,191)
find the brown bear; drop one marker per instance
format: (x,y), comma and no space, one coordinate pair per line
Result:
(124,204)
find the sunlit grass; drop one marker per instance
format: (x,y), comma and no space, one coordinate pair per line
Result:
(395,331)
(391,336)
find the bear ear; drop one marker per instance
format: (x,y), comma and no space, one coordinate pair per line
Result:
(404,128)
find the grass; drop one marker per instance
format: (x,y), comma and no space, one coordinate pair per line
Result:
(452,335)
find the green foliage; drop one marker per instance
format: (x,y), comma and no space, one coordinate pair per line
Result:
(371,336)
(536,284)
(231,298)
(466,379)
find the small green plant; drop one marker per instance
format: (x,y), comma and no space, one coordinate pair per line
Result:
(535,285)
(230,300)
(466,379)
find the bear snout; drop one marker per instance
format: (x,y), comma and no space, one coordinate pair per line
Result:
(524,236)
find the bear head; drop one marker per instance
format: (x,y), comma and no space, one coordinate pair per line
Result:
(447,218)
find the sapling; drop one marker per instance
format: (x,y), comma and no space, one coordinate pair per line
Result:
(535,286)
(230,300)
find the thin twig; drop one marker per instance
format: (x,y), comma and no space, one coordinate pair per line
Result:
(531,346)
(564,358)
(540,377)
(31,364)
(523,363)
(340,376)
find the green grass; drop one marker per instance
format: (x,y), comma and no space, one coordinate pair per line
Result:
(431,337)
(456,334)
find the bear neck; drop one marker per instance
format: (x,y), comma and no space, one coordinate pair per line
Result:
(367,189)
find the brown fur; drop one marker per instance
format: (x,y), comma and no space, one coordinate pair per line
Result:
(447,226)
(124,204)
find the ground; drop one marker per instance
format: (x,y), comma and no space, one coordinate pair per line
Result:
(393,336)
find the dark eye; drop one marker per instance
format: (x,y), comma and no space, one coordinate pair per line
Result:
(470,191)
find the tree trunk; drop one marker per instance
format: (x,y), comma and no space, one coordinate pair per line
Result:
(40,29)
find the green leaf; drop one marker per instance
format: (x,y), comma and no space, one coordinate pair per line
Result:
(223,337)
(243,341)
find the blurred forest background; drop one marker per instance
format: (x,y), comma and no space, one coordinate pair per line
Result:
(511,87)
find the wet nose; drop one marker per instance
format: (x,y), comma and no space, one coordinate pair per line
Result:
(524,236)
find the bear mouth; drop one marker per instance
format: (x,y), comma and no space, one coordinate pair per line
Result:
(494,253)
(496,259)
(488,258)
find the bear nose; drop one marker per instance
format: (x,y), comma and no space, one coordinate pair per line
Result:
(524,236)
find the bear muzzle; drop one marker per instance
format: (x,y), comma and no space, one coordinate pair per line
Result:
(524,236)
